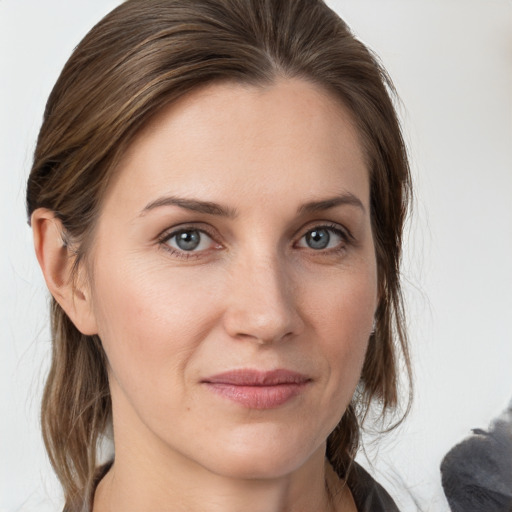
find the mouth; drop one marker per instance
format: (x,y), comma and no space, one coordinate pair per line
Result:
(256,389)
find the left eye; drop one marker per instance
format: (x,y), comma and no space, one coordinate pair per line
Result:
(321,238)
(189,240)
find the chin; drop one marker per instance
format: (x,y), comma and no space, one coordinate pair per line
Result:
(262,456)
(260,467)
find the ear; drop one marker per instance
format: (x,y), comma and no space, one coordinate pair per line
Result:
(56,261)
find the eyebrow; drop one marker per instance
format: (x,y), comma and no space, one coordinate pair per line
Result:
(194,205)
(211,208)
(325,204)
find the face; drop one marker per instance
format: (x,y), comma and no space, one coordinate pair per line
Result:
(233,278)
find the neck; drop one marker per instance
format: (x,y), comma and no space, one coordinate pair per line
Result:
(143,482)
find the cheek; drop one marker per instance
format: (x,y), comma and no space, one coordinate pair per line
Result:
(344,304)
(150,320)
(342,312)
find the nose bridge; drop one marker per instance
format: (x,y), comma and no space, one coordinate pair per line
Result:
(262,303)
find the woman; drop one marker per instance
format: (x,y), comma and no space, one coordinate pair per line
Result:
(217,198)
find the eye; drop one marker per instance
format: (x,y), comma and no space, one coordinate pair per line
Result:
(188,240)
(323,237)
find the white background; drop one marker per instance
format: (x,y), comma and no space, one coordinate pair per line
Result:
(451,61)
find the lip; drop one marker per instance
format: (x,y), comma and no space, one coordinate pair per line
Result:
(257,389)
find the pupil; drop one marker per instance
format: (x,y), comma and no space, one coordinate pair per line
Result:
(188,240)
(318,238)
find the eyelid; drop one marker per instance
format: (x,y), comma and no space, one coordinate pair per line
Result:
(333,226)
(174,230)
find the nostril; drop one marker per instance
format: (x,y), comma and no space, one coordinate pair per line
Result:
(259,329)
(272,323)
(262,301)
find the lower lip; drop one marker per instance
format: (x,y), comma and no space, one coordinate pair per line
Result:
(258,397)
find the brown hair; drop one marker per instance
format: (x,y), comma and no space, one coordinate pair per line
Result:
(143,56)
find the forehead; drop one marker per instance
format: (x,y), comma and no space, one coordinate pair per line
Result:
(229,139)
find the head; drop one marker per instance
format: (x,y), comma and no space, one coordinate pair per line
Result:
(140,66)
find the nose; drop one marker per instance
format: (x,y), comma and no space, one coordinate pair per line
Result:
(261,305)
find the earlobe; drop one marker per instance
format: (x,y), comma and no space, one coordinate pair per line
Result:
(56,260)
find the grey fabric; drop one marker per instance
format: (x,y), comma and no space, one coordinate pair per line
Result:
(477,473)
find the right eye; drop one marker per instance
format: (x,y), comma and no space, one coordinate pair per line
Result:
(186,242)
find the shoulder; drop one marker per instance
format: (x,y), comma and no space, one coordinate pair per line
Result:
(368,494)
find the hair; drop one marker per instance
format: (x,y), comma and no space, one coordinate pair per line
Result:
(143,56)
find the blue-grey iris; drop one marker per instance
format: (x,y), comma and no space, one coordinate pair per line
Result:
(318,238)
(188,240)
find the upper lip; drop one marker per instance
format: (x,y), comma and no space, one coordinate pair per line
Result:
(250,377)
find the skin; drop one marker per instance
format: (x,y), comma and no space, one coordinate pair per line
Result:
(254,294)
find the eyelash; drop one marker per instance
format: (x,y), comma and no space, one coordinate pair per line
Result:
(165,237)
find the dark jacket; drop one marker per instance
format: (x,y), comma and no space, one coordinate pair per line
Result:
(368,494)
